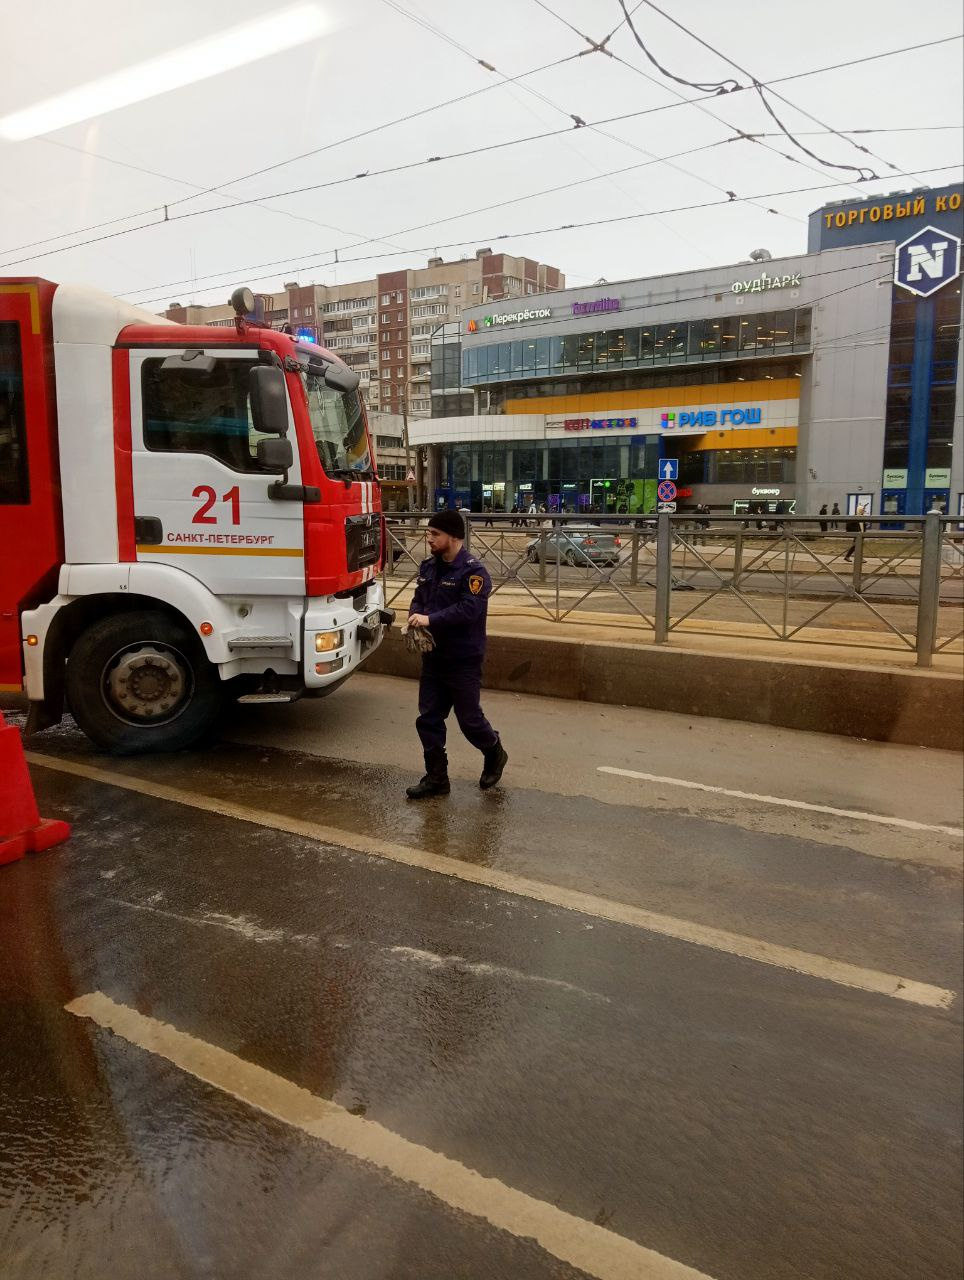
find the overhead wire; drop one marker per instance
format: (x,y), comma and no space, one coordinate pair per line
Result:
(760,88)
(236,272)
(617,119)
(235,275)
(599,47)
(577,120)
(304,155)
(166,177)
(730,88)
(712,90)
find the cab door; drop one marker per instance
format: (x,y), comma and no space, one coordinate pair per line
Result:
(31,525)
(201,500)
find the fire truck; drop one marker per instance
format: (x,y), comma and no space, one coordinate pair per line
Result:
(187,514)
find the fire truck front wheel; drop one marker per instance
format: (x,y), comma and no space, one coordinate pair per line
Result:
(141,682)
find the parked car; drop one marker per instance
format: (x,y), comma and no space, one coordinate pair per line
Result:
(575,547)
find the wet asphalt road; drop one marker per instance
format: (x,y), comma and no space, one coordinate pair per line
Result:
(742,1119)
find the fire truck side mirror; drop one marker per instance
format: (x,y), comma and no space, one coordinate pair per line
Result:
(275,455)
(269,400)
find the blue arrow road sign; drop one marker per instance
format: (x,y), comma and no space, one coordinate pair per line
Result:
(669,468)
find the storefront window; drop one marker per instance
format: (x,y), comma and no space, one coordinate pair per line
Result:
(783,329)
(676,341)
(525,463)
(941,429)
(704,338)
(897,427)
(680,342)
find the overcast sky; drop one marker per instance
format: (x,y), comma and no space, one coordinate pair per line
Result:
(373,64)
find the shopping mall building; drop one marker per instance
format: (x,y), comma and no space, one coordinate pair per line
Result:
(832,376)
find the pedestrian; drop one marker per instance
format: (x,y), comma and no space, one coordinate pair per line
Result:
(488,515)
(451,601)
(823,522)
(854,526)
(835,511)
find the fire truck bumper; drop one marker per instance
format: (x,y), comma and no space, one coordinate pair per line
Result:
(340,634)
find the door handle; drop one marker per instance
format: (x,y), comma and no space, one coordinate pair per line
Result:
(148,530)
(281,492)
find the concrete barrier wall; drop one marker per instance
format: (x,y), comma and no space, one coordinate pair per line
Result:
(920,708)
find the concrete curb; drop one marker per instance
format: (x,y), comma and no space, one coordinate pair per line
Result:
(918,708)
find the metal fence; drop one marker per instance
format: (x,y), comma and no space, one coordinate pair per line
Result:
(885,585)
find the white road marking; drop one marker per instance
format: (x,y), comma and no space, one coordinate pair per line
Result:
(804,962)
(906,823)
(582,1244)
(232,924)
(432,960)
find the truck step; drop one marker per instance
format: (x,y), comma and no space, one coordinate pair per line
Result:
(260,642)
(249,698)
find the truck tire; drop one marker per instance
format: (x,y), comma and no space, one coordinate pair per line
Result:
(141,682)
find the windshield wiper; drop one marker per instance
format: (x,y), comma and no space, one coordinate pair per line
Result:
(348,473)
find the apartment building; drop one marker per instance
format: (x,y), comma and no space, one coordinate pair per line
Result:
(383,327)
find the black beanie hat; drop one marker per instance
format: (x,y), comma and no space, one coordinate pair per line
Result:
(449,522)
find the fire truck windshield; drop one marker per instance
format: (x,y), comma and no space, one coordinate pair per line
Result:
(338,426)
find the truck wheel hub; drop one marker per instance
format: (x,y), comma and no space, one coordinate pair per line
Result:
(146,684)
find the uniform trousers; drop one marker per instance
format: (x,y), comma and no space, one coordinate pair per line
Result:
(448,684)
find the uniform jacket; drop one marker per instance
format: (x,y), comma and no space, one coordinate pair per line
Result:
(456,599)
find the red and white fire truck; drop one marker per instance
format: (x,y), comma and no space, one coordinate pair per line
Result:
(186,513)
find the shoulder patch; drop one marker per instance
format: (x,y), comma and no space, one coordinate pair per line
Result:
(476,583)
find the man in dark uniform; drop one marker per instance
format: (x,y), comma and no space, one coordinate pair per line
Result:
(451,600)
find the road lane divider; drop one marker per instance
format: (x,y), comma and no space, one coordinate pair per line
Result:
(593,1249)
(790,958)
(906,824)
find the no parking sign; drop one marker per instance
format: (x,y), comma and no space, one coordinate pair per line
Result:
(666,491)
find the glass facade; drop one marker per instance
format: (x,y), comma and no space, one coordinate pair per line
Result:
(680,342)
(925,337)
(943,378)
(580,475)
(641,379)
(739,466)
(925,341)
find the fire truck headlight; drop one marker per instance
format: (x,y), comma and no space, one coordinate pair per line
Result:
(327,641)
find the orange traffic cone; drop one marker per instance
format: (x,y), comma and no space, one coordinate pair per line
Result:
(22,830)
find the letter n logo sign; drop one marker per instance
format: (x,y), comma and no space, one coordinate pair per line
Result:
(927,261)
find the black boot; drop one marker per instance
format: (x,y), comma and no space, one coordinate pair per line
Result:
(435,781)
(493,762)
